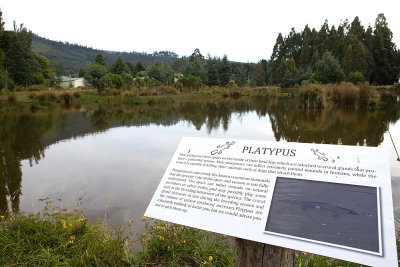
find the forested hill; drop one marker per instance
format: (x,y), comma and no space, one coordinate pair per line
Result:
(69,58)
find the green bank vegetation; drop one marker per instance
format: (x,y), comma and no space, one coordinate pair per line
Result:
(349,53)
(57,237)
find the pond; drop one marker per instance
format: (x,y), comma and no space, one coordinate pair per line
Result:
(110,160)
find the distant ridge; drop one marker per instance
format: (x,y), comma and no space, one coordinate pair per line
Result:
(69,58)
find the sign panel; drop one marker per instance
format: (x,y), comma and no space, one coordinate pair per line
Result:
(330,200)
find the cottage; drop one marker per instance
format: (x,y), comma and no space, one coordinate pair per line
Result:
(68,82)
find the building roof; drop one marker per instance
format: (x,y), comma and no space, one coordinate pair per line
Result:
(66,79)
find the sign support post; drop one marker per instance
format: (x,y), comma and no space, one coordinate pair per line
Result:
(251,253)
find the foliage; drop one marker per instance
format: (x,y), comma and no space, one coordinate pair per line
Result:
(100,60)
(19,59)
(304,259)
(328,70)
(189,82)
(94,73)
(368,51)
(356,77)
(18,63)
(118,67)
(71,57)
(312,96)
(111,80)
(58,238)
(161,72)
(175,245)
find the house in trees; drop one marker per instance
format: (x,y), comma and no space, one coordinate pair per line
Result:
(68,82)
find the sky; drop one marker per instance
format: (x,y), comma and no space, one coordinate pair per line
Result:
(244,30)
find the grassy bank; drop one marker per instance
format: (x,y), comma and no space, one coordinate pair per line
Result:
(57,237)
(61,238)
(40,98)
(343,94)
(308,95)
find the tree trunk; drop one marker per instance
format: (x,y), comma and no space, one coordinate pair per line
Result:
(250,253)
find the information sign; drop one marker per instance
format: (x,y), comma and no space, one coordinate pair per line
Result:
(331,200)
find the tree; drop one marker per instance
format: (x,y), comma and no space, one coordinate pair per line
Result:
(161,72)
(139,67)
(118,67)
(196,55)
(93,74)
(355,77)
(357,29)
(100,60)
(384,52)
(277,51)
(44,66)
(212,71)
(1,33)
(357,57)
(196,66)
(259,74)
(224,71)
(328,70)
(127,81)
(111,80)
(19,59)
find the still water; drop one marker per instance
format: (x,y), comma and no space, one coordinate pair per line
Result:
(112,159)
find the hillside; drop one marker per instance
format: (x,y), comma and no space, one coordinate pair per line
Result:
(69,58)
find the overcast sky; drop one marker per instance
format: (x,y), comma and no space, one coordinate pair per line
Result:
(244,30)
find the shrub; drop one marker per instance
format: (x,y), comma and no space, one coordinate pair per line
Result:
(355,77)
(66,98)
(344,93)
(77,95)
(11,98)
(46,97)
(36,87)
(312,96)
(189,82)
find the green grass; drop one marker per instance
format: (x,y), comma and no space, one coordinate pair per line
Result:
(58,237)
(175,245)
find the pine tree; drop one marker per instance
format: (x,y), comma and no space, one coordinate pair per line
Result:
(100,60)
(19,59)
(384,52)
(118,67)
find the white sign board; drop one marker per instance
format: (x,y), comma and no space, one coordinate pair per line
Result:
(330,200)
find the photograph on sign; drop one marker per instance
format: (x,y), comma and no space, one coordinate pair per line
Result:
(335,214)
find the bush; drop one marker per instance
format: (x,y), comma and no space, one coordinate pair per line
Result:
(38,78)
(312,96)
(46,97)
(345,93)
(189,82)
(355,77)
(77,95)
(11,98)
(66,98)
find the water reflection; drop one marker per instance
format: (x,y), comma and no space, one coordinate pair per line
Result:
(19,139)
(28,136)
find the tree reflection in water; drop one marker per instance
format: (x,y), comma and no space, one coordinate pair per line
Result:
(26,136)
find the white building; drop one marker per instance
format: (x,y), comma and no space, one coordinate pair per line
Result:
(68,82)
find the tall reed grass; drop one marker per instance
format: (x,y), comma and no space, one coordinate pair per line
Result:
(343,94)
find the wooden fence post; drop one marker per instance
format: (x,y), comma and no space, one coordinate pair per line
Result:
(250,253)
